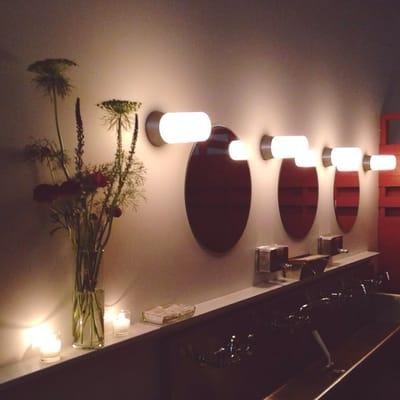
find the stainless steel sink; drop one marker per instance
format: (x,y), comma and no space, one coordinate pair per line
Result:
(384,307)
(382,324)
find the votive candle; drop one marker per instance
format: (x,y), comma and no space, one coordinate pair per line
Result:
(50,347)
(121,323)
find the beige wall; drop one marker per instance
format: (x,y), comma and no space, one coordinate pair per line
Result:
(317,68)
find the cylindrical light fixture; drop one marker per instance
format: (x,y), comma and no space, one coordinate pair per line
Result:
(380,162)
(282,146)
(179,127)
(238,151)
(306,159)
(343,158)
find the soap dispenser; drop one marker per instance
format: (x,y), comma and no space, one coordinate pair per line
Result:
(331,244)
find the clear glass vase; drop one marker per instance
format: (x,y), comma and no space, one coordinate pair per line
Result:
(88,319)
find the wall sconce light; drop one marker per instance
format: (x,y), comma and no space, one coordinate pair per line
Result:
(306,159)
(282,146)
(238,151)
(380,162)
(343,158)
(179,127)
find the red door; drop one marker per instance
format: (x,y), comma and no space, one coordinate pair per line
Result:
(389,201)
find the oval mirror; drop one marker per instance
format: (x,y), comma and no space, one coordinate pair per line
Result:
(297,197)
(346,198)
(217,192)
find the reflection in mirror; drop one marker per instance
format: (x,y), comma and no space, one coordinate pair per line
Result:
(297,197)
(346,199)
(217,192)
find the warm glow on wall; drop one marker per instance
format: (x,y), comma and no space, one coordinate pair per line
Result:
(381,162)
(37,333)
(48,342)
(238,151)
(50,347)
(306,159)
(179,127)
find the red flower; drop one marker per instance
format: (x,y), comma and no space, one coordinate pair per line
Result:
(70,189)
(98,179)
(116,212)
(45,193)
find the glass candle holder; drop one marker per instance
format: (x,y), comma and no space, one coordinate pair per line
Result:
(121,323)
(50,348)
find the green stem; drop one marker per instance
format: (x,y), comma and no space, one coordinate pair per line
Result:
(116,172)
(60,139)
(124,174)
(94,313)
(78,273)
(104,243)
(49,166)
(99,255)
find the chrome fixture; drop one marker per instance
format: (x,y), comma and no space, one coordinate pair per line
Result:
(322,346)
(310,265)
(179,127)
(379,162)
(231,353)
(343,158)
(374,284)
(282,146)
(269,259)
(272,258)
(308,311)
(331,245)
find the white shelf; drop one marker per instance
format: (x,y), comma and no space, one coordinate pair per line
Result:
(140,330)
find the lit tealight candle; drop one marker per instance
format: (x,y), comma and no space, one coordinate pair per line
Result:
(121,323)
(50,347)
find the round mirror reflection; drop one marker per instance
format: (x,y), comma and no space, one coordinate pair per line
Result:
(217,192)
(346,198)
(297,197)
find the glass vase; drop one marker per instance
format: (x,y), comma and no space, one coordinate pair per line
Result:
(88,319)
(88,301)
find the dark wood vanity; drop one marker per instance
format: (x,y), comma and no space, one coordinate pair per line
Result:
(282,360)
(252,344)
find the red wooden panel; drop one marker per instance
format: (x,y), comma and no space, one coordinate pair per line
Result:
(389,207)
(389,179)
(384,125)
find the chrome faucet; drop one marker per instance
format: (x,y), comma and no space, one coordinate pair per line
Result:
(285,268)
(226,355)
(233,349)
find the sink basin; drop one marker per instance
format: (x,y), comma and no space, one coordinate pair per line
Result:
(310,265)
(382,324)
(384,307)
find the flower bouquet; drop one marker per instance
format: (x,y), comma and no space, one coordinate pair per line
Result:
(84,199)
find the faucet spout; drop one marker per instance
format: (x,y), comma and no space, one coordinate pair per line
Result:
(324,349)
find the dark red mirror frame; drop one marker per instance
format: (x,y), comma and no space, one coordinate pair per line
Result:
(346,194)
(217,192)
(297,197)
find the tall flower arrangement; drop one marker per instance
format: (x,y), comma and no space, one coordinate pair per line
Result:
(85,199)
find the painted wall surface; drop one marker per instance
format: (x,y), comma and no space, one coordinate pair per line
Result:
(318,68)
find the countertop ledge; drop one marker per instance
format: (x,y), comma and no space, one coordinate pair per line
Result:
(29,368)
